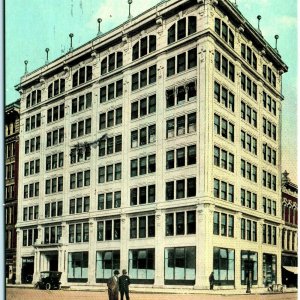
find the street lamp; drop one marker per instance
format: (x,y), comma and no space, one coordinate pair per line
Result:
(71,45)
(129,16)
(99,20)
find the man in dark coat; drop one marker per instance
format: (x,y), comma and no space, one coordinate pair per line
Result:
(124,282)
(211,280)
(113,286)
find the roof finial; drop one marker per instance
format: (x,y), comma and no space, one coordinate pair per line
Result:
(276,38)
(129,15)
(47,52)
(71,45)
(26,62)
(99,20)
(258,21)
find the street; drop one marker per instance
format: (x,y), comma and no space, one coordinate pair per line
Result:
(32,294)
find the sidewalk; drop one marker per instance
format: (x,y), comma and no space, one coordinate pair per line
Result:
(152,290)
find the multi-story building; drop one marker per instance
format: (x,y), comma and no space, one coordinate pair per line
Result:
(289,238)
(155,147)
(12,126)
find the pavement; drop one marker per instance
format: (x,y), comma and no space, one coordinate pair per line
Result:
(154,290)
(28,293)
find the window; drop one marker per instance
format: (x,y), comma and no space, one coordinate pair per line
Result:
(30,236)
(142,195)
(144,46)
(106,263)
(142,227)
(78,266)
(223,224)
(56,87)
(112,91)
(111,62)
(79,179)
(111,118)
(180,265)
(248,230)
(224,65)
(183,61)
(30,190)
(85,74)
(183,28)
(250,87)
(141,264)
(270,75)
(143,165)
(248,54)
(79,233)
(33,98)
(223,190)
(109,230)
(245,257)
(181,223)
(226,34)
(143,78)
(109,173)
(52,234)
(54,138)
(223,266)
(184,188)
(143,107)
(110,145)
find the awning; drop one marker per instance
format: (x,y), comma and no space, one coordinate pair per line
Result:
(291,269)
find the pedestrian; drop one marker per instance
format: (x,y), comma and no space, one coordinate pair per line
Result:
(124,282)
(113,286)
(211,280)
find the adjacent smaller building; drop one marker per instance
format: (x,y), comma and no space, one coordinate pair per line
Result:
(289,258)
(12,126)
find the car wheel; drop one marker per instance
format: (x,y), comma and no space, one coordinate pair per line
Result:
(48,286)
(36,286)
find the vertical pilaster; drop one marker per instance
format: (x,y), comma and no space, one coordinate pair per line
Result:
(159,249)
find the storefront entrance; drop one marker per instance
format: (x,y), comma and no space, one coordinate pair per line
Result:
(27,269)
(269,269)
(49,261)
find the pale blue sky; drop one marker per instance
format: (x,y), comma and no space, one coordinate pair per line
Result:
(33,25)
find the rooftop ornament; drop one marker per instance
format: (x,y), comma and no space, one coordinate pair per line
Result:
(99,20)
(47,52)
(258,21)
(26,63)
(129,15)
(71,45)
(276,38)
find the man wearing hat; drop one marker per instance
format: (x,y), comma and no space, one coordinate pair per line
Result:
(113,286)
(124,282)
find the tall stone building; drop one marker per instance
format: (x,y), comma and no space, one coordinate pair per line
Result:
(289,258)
(155,147)
(12,126)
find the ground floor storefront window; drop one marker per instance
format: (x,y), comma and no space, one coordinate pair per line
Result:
(78,266)
(106,263)
(141,265)
(269,269)
(180,265)
(248,267)
(223,266)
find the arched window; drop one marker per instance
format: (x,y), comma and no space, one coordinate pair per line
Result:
(291,214)
(83,75)
(144,46)
(112,62)
(56,87)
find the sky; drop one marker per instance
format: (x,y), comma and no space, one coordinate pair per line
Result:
(31,26)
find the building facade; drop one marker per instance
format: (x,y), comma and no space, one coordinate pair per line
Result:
(12,126)
(156,145)
(289,258)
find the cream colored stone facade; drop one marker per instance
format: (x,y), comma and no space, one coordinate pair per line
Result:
(189,270)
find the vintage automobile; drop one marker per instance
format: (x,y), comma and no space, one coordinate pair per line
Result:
(49,280)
